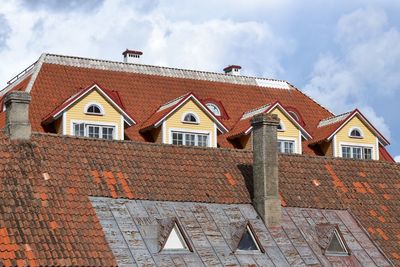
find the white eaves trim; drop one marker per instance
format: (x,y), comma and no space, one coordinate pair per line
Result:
(220,126)
(381,138)
(130,121)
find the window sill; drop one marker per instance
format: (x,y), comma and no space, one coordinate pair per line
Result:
(189,122)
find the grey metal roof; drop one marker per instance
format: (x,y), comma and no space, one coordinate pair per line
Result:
(132,230)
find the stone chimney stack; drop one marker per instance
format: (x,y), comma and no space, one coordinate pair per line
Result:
(17,108)
(265,168)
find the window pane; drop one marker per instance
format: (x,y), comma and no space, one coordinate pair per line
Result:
(190,139)
(177,138)
(346,152)
(79,129)
(286,147)
(202,140)
(108,132)
(356,152)
(93,131)
(280,146)
(367,153)
(190,118)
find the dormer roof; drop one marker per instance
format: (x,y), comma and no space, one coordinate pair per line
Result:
(165,110)
(111,96)
(243,126)
(327,128)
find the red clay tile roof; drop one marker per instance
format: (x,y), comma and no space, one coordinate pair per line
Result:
(113,95)
(46,217)
(142,93)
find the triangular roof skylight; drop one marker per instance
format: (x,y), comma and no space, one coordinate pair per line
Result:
(336,245)
(175,240)
(248,241)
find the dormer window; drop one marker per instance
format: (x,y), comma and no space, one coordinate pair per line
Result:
(281,127)
(214,109)
(355,133)
(94,109)
(190,118)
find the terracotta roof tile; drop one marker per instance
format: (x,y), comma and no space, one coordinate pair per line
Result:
(52,222)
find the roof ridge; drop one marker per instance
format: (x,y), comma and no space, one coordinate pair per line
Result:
(165,71)
(255,111)
(171,103)
(333,119)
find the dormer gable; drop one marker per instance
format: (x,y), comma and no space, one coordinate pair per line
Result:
(91,112)
(185,120)
(290,131)
(350,135)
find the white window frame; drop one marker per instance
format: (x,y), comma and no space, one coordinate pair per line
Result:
(283,127)
(102,112)
(214,106)
(292,140)
(210,136)
(95,123)
(371,146)
(356,137)
(190,122)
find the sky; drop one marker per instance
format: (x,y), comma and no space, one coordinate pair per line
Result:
(344,54)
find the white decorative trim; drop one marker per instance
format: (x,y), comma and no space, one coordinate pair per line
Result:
(190,122)
(64,123)
(221,127)
(170,130)
(300,143)
(215,136)
(253,112)
(334,147)
(164,133)
(122,127)
(358,129)
(377,148)
(96,87)
(102,112)
(97,123)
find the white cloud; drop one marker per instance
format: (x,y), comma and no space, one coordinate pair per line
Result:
(116,25)
(397,158)
(365,65)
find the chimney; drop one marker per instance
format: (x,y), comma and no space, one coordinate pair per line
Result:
(232,70)
(132,56)
(265,168)
(17,111)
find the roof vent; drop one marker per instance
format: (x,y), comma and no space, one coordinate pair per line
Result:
(232,70)
(132,56)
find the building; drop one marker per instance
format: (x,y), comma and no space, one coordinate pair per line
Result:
(90,201)
(129,101)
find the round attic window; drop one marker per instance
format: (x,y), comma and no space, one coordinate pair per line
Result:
(214,109)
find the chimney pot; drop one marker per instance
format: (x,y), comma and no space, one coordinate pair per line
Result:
(17,111)
(233,70)
(132,56)
(265,168)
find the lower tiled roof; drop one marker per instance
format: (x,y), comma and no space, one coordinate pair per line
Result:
(46,217)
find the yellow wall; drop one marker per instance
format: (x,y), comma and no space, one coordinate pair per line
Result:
(291,131)
(175,121)
(77,112)
(343,136)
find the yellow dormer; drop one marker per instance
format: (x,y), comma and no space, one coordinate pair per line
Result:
(349,135)
(184,121)
(290,132)
(92,112)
